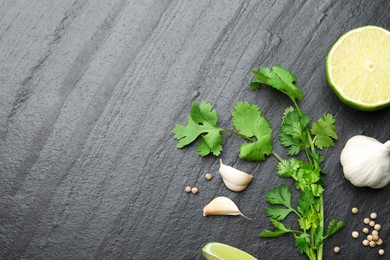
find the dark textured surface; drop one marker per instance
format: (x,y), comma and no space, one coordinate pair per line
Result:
(90,93)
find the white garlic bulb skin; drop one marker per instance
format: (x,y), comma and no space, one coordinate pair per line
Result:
(366,162)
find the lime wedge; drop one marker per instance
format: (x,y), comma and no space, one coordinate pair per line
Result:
(220,251)
(358,68)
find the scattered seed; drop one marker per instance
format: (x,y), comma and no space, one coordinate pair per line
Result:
(375,237)
(355,211)
(366,242)
(369,237)
(379,242)
(365,230)
(374,232)
(194,190)
(366,221)
(381,251)
(355,234)
(372,223)
(188,189)
(208,176)
(377,227)
(336,249)
(373,215)
(372,244)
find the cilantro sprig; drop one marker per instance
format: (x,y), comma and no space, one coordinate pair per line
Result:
(297,133)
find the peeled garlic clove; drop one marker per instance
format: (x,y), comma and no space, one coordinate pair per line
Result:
(234,179)
(221,206)
(366,162)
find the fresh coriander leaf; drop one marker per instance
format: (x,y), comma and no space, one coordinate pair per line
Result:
(248,121)
(255,84)
(201,121)
(306,199)
(280,230)
(287,168)
(302,242)
(317,189)
(333,227)
(280,195)
(292,132)
(304,223)
(280,79)
(278,213)
(324,131)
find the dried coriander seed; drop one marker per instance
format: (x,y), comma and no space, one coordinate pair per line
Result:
(208,176)
(377,227)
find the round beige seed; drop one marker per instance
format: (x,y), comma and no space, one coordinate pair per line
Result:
(365,230)
(366,221)
(355,234)
(372,223)
(336,249)
(355,210)
(194,190)
(366,242)
(379,242)
(208,176)
(375,232)
(381,252)
(372,244)
(369,237)
(373,215)
(375,237)
(188,189)
(377,227)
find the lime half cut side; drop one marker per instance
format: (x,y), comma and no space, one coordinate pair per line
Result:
(358,68)
(220,251)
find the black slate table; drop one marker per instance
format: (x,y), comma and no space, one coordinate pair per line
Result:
(90,93)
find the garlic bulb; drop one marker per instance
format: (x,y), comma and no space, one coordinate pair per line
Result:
(234,179)
(222,206)
(366,162)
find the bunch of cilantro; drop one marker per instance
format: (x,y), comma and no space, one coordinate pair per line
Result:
(298,134)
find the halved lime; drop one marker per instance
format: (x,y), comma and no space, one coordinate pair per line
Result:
(220,251)
(358,68)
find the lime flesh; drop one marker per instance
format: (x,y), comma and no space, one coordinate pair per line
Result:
(220,251)
(358,68)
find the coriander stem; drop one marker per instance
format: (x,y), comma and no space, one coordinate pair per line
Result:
(280,159)
(238,134)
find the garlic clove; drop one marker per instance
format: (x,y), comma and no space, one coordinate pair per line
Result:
(234,179)
(221,206)
(366,162)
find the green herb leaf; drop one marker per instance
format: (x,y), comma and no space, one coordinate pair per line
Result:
(305,201)
(202,120)
(333,227)
(324,131)
(278,213)
(280,230)
(292,132)
(280,195)
(280,79)
(288,168)
(248,121)
(302,242)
